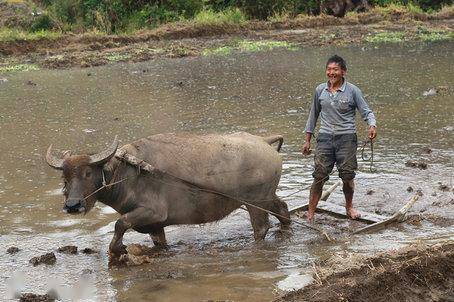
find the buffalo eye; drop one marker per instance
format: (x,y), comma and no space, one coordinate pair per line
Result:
(88,174)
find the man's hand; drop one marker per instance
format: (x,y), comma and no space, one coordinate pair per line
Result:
(372,132)
(306,148)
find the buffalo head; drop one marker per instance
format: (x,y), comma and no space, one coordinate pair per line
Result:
(82,175)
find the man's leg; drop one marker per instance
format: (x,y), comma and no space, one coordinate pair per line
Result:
(347,164)
(349,188)
(324,163)
(314,198)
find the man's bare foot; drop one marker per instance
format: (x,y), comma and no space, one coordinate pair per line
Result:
(352,213)
(310,217)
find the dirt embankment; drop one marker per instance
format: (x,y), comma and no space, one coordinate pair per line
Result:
(191,39)
(411,274)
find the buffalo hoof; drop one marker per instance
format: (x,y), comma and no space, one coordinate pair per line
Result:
(118,250)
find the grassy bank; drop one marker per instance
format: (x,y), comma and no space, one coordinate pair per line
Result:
(221,33)
(52,19)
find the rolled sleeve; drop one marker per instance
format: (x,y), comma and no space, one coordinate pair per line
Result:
(314,113)
(364,110)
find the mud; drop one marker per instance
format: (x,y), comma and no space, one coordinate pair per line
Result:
(258,92)
(190,40)
(410,274)
(68,249)
(137,254)
(48,259)
(29,297)
(12,250)
(416,164)
(89,251)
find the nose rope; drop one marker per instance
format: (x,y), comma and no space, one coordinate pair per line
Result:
(103,187)
(105,184)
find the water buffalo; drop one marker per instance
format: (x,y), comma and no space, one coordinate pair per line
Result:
(239,165)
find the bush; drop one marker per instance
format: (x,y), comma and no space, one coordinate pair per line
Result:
(426,5)
(43,22)
(262,9)
(232,15)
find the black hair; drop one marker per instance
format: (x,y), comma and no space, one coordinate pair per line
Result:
(338,60)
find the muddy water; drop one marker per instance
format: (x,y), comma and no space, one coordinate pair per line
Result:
(262,93)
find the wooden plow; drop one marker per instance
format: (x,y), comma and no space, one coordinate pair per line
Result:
(376,222)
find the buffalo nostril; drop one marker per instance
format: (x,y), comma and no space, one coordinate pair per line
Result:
(74,208)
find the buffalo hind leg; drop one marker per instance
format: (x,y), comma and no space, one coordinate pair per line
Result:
(260,223)
(159,238)
(279,207)
(136,218)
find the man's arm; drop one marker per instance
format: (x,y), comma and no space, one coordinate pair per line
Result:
(311,122)
(366,113)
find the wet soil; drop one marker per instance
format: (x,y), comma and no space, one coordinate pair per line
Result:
(48,259)
(410,274)
(189,40)
(30,297)
(68,249)
(12,250)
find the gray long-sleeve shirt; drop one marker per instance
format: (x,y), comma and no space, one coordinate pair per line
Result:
(337,110)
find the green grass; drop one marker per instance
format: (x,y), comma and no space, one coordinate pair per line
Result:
(229,16)
(9,34)
(220,51)
(436,35)
(386,37)
(116,57)
(249,46)
(19,67)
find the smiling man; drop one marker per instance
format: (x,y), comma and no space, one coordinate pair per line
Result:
(336,102)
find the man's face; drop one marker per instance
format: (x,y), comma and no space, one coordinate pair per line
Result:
(334,73)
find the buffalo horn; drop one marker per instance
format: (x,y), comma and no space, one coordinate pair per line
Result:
(105,155)
(52,160)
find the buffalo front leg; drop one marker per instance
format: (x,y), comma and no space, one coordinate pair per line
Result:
(159,238)
(135,219)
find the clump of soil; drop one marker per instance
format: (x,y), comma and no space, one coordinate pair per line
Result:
(48,259)
(88,251)
(411,274)
(29,297)
(69,249)
(12,250)
(137,254)
(414,164)
(444,188)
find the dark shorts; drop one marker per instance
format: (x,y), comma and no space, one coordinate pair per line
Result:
(339,149)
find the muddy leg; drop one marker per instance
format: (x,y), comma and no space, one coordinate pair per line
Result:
(116,245)
(281,208)
(159,238)
(136,218)
(314,198)
(260,223)
(349,189)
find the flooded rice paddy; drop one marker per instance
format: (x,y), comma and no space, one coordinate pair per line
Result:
(262,93)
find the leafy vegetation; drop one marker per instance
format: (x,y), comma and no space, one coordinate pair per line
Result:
(434,35)
(7,34)
(386,37)
(228,16)
(19,67)
(248,46)
(127,16)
